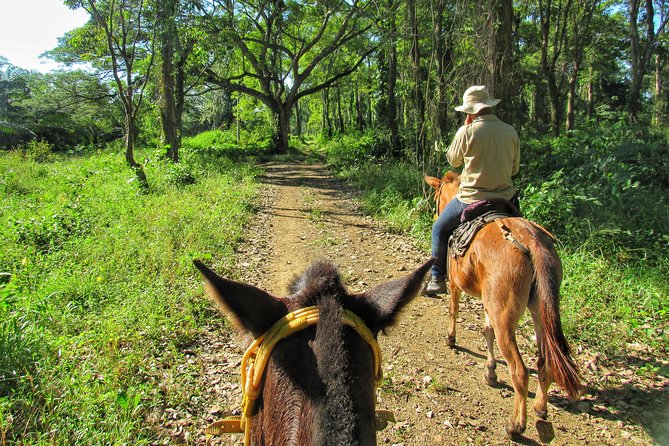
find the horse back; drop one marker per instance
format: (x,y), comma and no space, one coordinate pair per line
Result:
(493,260)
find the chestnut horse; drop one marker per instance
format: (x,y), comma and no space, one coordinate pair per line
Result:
(318,384)
(508,280)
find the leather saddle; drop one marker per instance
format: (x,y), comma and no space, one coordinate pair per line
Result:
(476,216)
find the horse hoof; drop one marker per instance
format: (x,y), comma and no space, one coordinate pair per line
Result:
(513,431)
(491,381)
(545,431)
(450,341)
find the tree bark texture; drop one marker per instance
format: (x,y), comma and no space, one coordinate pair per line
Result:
(392,117)
(167,102)
(418,116)
(500,56)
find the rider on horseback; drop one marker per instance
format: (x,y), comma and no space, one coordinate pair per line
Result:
(490,152)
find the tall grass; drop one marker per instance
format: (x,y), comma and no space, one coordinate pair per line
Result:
(99,295)
(603,193)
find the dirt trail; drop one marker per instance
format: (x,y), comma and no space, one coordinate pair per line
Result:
(437,393)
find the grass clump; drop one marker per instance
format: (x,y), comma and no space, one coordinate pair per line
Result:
(98,296)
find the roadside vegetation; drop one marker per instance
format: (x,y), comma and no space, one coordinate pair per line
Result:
(98,295)
(114,177)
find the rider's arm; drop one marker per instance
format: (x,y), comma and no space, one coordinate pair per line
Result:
(456,151)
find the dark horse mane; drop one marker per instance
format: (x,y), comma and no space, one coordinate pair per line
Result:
(320,285)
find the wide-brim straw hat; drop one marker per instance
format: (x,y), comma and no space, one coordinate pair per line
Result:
(475,99)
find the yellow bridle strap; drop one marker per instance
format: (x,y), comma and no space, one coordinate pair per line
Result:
(254,363)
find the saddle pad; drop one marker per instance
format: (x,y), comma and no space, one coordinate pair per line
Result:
(478,208)
(464,234)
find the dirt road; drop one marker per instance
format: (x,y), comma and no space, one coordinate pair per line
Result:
(438,394)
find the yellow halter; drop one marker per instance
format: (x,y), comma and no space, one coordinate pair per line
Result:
(257,355)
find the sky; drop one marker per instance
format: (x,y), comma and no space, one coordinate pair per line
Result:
(30,27)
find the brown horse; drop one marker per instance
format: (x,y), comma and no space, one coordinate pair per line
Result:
(318,385)
(508,281)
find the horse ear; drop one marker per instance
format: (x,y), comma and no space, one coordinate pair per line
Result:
(380,306)
(450,177)
(249,308)
(432,181)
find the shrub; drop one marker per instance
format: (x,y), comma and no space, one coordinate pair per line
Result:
(39,151)
(356,149)
(51,231)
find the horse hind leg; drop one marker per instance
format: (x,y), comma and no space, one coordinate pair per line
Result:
(506,341)
(491,362)
(540,404)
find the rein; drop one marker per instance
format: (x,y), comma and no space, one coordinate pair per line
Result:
(256,357)
(437,197)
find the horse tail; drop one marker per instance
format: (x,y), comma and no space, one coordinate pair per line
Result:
(554,347)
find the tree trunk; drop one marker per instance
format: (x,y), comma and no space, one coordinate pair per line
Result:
(591,95)
(548,67)
(415,55)
(167,103)
(360,116)
(634,96)
(282,117)
(500,56)
(340,116)
(571,98)
(392,83)
(298,120)
(640,55)
(556,106)
(658,116)
(180,93)
(326,122)
(441,57)
(130,138)
(541,117)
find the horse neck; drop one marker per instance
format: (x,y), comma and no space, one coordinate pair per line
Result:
(320,392)
(446,192)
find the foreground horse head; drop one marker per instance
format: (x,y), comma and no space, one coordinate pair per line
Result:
(508,280)
(319,382)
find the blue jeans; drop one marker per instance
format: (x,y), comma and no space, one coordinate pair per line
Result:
(448,220)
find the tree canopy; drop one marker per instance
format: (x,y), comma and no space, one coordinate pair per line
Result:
(333,67)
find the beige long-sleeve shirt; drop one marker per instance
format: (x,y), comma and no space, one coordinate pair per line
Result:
(490,152)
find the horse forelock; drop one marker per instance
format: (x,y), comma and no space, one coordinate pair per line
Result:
(320,279)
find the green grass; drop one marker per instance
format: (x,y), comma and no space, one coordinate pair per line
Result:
(611,304)
(393,191)
(101,296)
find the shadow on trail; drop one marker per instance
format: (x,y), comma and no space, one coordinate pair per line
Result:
(292,213)
(315,177)
(628,404)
